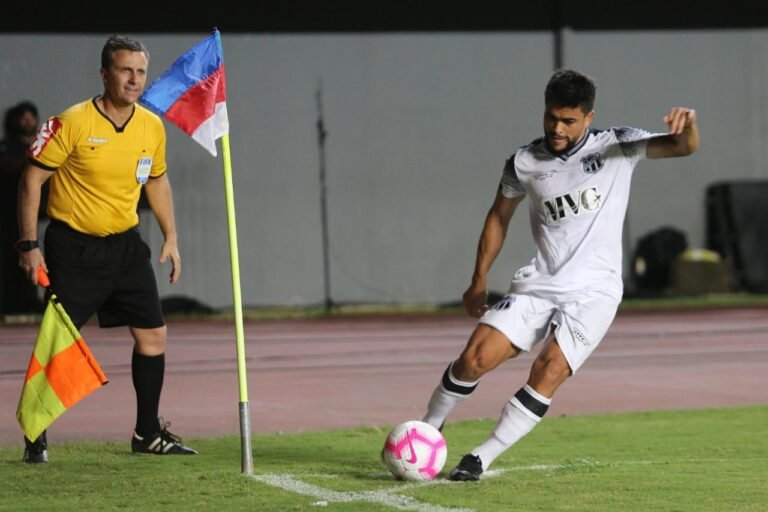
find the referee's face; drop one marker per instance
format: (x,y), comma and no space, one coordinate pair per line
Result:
(126,77)
(564,127)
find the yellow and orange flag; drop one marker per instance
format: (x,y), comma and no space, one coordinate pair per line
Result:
(61,371)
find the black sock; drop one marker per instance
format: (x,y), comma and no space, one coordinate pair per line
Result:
(147,372)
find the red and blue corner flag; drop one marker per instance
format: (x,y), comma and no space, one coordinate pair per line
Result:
(192,93)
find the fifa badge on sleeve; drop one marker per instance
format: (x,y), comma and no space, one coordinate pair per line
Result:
(142,170)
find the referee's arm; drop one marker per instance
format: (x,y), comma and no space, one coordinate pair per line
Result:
(32,180)
(160,200)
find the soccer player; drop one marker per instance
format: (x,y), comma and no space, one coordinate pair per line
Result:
(578,182)
(98,154)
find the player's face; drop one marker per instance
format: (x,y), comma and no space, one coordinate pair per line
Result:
(126,77)
(564,126)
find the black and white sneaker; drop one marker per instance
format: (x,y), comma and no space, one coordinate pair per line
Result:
(469,469)
(36,452)
(160,443)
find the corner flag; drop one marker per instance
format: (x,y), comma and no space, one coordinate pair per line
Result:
(192,93)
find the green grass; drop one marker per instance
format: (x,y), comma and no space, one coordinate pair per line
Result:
(699,460)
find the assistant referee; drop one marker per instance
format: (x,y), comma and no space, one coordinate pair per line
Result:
(98,154)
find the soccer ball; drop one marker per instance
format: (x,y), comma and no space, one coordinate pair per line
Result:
(414,450)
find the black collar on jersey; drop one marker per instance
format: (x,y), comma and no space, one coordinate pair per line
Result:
(118,129)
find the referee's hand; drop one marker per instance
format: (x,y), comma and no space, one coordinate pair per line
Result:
(29,262)
(170,250)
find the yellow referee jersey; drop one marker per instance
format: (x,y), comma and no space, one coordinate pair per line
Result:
(99,167)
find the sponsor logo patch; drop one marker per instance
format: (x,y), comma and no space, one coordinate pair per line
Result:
(542,175)
(504,303)
(572,204)
(49,128)
(579,336)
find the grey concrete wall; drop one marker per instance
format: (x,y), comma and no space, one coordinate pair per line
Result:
(419,126)
(722,74)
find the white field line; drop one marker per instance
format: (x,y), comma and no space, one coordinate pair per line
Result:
(386,497)
(390,498)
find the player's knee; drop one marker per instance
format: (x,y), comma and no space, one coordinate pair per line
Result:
(471,366)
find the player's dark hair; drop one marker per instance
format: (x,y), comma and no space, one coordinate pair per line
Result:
(570,89)
(117,42)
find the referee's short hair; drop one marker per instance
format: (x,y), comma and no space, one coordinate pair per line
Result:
(570,88)
(117,42)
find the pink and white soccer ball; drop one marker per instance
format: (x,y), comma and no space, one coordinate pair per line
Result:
(415,450)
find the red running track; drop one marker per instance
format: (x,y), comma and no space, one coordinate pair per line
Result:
(347,372)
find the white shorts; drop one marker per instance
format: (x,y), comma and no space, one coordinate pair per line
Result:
(579,326)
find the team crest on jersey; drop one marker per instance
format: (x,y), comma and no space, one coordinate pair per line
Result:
(572,204)
(49,128)
(592,163)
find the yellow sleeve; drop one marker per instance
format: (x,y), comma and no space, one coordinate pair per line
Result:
(158,160)
(54,142)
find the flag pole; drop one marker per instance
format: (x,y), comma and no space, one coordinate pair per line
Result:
(199,65)
(245,421)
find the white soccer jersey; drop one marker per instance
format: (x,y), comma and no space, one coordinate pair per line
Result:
(577,205)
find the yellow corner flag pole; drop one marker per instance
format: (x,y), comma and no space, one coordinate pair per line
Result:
(163,94)
(245,421)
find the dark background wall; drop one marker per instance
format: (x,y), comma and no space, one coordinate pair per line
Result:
(414,16)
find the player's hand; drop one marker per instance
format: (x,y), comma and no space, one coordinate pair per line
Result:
(679,119)
(475,301)
(170,250)
(29,262)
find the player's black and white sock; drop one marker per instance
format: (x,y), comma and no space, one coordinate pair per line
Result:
(518,417)
(446,396)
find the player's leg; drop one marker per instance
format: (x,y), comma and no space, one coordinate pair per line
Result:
(486,349)
(579,327)
(135,302)
(527,407)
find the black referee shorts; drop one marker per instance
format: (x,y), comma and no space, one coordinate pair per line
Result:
(110,275)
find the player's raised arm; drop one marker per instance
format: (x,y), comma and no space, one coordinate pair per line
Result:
(683,136)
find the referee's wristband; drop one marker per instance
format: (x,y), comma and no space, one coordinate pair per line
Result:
(26,245)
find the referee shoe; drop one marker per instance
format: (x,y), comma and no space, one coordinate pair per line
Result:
(36,452)
(160,443)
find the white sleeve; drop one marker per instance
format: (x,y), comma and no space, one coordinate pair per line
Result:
(634,142)
(510,184)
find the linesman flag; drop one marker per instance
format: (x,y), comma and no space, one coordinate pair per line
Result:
(192,93)
(61,371)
